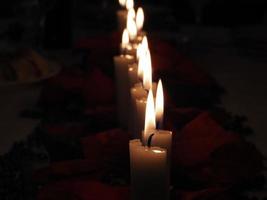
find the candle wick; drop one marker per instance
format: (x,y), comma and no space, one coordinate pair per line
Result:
(158,125)
(149,140)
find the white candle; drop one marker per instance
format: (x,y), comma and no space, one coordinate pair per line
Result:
(133,76)
(122,87)
(161,138)
(152,136)
(139,114)
(149,172)
(138,105)
(123,13)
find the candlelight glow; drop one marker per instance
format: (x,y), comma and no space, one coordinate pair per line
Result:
(150,123)
(131,27)
(147,71)
(131,13)
(129,4)
(122,3)
(125,39)
(159,102)
(140,18)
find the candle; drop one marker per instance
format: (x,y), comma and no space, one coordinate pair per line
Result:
(153,136)
(138,119)
(161,138)
(133,75)
(149,172)
(138,93)
(122,14)
(122,87)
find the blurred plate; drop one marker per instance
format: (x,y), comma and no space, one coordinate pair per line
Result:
(54,69)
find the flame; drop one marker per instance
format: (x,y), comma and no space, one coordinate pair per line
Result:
(147,71)
(125,38)
(131,13)
(158,151)
(159,102)
(141,64)
(140,18)
(122,3)
(129,4)
(139,51)
(131,27)
(145,43)
(150,123)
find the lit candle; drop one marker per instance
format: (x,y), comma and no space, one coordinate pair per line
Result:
(139,95)
(161,138)
(153,136)
(122,14)
(121,64)
(149,172)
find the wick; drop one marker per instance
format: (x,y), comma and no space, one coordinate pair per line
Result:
(149,140)
(158,126)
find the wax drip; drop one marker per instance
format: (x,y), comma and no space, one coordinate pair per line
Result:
(149,140)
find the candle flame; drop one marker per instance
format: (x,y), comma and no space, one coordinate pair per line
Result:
(122,3)
(150,123)
(159,102)
(125,38)
(147,71)
(139,51)
(157,151)
(129,4)
(141,66)
(145,43)
(131,13)
(131,27)
(140,18)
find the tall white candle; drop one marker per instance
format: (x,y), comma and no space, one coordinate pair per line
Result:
(122,87)
(149,172)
